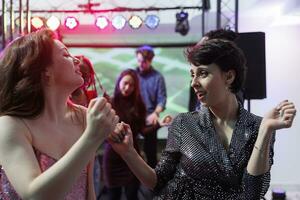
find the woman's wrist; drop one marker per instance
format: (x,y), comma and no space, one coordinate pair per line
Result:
(266,126)
(265,130)
(128,154)
(92,137)
(264,137)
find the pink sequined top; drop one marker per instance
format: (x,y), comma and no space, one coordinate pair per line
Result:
(79,190)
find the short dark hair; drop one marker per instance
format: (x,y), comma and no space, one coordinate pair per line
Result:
(146,51)
(223,53)
(225,34)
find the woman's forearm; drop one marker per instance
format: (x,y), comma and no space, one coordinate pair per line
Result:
(259,159)
(66,170)
(139,167)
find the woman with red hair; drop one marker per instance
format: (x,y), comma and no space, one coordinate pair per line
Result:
(85,93)
(47,143)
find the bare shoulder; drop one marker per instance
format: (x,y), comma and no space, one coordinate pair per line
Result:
(16,154)
(9,124)
(12,128)
(80,113)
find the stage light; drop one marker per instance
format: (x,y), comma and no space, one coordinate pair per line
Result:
(118,22)
(53,23)
(152,21)
(37,22)
(135,22)
(71,22)
(182,23)
(101,22)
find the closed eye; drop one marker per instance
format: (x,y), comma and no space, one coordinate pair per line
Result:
(67,54)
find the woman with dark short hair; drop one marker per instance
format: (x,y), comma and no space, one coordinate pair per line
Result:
(221,151)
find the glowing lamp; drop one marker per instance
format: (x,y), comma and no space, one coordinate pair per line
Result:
(152,21)
(71,22)
(118,22)
(53,23)
(101,22)
(135,22)
(37,22)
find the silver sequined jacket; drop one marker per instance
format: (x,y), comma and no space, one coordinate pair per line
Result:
(195,165)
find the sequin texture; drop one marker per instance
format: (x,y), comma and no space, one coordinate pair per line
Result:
(195,165)
(78,190)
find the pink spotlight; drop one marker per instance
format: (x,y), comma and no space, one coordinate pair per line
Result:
(101,22)
(71,22)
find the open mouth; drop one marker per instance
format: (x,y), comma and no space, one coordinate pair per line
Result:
(200,95)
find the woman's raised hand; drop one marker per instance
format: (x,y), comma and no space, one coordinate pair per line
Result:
(281,116)
(101,118)
(121,139)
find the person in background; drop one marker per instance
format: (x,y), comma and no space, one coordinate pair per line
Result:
(154,95)
(221,151)
(47,143)
(225,34)
(129,106)
(85,93)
